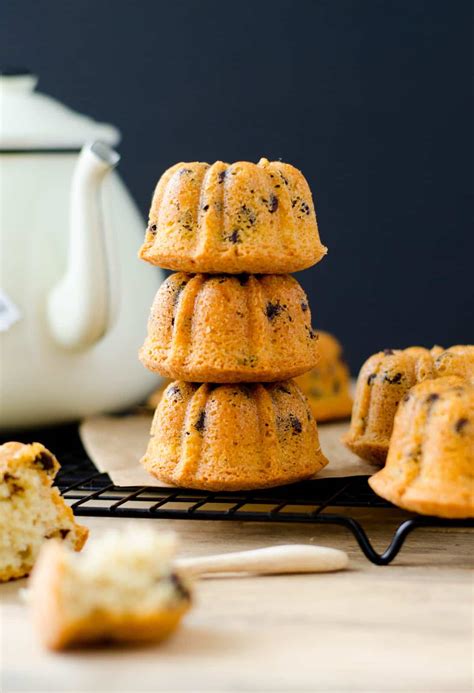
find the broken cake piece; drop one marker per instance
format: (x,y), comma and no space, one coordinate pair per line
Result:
(31,509)
(122,588)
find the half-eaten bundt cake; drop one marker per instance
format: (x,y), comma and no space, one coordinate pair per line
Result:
(227,329)
(233,437)
(430,463)
(233,218)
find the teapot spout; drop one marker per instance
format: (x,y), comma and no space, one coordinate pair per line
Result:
(79,305)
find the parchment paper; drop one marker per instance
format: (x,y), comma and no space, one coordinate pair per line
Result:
(116,443)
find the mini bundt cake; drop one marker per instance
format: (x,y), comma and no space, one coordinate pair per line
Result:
(383,380)
(233,437)
(233,218)
(227,329)
(327,385)
(430,463)
(457,360)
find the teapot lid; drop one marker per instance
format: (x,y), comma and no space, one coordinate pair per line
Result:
(31,120)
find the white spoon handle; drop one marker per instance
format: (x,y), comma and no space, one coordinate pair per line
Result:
(294,558)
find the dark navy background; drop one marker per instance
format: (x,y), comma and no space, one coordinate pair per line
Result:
(370,99)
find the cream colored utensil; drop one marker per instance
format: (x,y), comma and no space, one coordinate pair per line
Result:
(294,558)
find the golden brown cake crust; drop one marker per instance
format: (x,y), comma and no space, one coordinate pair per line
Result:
(384,379)
(59,629)
(430,463)
(32,503)
(233,218)
(382,382)
(327,385)
(233,437)
(227,329)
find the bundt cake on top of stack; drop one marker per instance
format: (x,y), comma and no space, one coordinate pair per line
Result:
(383,381)
(241,219)
(233,218)
(430,464)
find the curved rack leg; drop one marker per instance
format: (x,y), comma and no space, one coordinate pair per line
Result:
(364,542)
(401,533)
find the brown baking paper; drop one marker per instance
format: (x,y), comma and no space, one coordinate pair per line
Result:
(116,443)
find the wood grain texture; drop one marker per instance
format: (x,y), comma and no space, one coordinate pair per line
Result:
(406,627)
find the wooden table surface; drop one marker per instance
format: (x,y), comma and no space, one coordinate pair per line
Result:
(405,627)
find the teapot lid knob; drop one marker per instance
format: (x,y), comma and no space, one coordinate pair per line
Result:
(19,78)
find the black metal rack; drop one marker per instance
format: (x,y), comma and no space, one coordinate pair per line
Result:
(92,493)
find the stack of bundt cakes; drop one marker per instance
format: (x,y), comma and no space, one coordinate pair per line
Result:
(231,326)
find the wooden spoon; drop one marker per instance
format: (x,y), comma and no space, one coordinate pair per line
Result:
(293,558)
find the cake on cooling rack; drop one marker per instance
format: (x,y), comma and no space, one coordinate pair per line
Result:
(384,379)
(430,463)
(233,437)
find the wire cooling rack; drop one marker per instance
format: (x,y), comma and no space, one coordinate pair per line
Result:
(90,492)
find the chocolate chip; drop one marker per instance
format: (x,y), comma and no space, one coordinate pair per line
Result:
(388,352)
(461,424)
(174,390)
(273,204)
(371,378)
(234,237)
(152,228)
(11,481)
(179,586)
(64,533)
(393,380)
(201,422)
(45,461)
(295,424)
(304,307)
(221,176)
(305,208)
(205,208)
(272,310)
(432,398)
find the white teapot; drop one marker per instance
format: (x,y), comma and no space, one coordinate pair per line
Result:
(74,298)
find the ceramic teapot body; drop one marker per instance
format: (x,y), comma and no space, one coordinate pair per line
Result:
(75,298)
